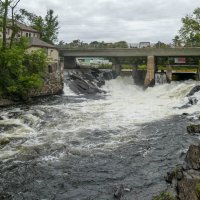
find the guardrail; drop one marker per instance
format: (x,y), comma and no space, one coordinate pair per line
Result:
(129,45)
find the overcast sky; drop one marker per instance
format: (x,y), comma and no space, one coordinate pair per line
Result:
(114,20)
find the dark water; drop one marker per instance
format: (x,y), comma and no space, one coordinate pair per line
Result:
(76,147)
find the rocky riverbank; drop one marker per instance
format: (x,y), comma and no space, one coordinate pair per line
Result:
(113,145)
(53,85)
(184,179)
(80,82)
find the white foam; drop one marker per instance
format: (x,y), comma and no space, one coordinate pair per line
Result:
(108,122)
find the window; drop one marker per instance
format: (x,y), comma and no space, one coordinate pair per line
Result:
(50,51)
(50,69)
(29,34)
(55,67)
(26,34)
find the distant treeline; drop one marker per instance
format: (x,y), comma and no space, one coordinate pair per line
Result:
(120,44)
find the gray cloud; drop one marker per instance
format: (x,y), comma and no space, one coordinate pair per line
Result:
(114,20)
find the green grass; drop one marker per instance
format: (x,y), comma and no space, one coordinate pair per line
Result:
(197,189)
(164,196)
(160,67)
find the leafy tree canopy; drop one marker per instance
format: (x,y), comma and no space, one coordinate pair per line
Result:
(47,27)
(190,30)
(20,71)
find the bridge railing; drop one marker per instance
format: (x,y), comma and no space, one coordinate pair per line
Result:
(129,45)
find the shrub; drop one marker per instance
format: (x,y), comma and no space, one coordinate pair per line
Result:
(20,72)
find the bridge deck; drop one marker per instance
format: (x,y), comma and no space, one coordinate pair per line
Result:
(195,51)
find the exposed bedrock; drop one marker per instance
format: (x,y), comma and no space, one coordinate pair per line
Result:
(186,179)
(89,82)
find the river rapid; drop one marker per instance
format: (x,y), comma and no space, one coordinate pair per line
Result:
(78,147)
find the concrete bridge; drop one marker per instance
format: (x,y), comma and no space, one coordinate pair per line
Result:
(151,54)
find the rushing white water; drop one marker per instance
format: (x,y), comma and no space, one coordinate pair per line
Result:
(118,114)
(160,78)
(126,136)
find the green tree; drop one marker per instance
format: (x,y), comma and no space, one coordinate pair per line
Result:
(190,30)
(5,7)
(22,71)
(161,45)
(51,27)
(121,44)
(177,41)
(47,27)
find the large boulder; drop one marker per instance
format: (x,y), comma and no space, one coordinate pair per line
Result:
(193,128)
(90,81)
(186,178)
(188,189)
(81,86)
(193,157)
(192,101)
(194,90)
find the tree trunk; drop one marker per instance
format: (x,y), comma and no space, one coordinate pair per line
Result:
(5,16)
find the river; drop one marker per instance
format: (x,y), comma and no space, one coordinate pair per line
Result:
(78,147)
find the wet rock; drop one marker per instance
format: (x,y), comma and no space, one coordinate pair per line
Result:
(186,189)
(179,175)
(89,82)
(192,100)
(194,90)
(7,127)
(193,157)
(5,196)
(169,177)
(4,141)
(14,115)
(119,192)
(185,114)
(1,118)
(176,174)
(193,128)
(108,75)
(79,85)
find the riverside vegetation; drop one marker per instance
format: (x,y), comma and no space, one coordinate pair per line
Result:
(20,71)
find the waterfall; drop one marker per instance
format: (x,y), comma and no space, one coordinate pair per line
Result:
(160,78)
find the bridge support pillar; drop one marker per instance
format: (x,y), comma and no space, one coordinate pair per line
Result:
(70,63)
(117,66)
(150,75)
(169,73)
(117,69)
(198,73)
